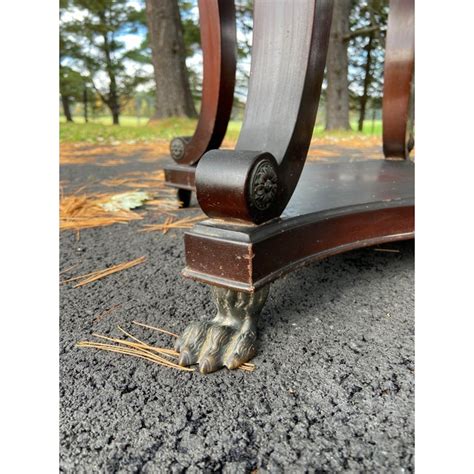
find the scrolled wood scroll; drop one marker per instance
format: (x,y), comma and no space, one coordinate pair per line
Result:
(218,42)
(398,77)
(255,181)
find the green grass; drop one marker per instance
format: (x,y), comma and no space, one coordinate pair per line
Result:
(101,130)
(107,120)
(368,130)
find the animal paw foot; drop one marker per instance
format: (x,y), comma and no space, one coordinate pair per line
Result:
(230,339)
(213,345)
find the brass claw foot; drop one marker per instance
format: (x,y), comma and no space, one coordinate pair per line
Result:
(230,338)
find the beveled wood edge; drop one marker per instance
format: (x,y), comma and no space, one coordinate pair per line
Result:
(251,288)
(247,249)
(245,233)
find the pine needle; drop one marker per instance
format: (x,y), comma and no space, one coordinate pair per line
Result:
(164,205)
(244,366)
(122,152)
(162,350)
(155,329)
(130,336)
(85,212)
(145,351)
(66,270)
(248,367)
(141,180)
(132,352)
(143,347)
(170,223)
(98,274)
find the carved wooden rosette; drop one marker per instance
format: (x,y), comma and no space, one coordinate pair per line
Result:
(254,182)
(178,146)
(263,185)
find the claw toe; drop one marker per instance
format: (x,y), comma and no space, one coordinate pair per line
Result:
(177,345)
(185,359)
(207,366)
(232,363)
(241,351)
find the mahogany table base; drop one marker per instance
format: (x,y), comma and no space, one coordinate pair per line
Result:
(182,178)
(336,207)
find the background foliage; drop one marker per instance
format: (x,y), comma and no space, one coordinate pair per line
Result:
(105,61)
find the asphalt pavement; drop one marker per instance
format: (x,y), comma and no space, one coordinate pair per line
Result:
(334,385)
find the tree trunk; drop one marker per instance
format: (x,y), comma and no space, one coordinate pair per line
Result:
(67,107)
(367,81)
(173,94)
(337,104)
(112,100)
(115,117)
(84,101)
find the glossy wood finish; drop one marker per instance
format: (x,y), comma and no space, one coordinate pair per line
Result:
(336,207)
(255,181)
(218,42)
(180,176)
(267,218)
(398,77)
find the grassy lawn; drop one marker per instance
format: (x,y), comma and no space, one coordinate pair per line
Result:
(101,130)
(130,129)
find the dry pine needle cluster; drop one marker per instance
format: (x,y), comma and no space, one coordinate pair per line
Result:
(84,212)
(137,348)
(98,274)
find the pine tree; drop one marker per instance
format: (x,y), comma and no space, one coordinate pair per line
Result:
(94,28)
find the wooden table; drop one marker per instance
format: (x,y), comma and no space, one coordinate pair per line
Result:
(269,212)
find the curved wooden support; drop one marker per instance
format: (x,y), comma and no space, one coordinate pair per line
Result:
(398,77)
(218,42)
(255,182)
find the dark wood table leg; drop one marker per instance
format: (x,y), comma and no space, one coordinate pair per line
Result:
(270,214)
(398,79)
(251,183)
(218,41)
(184,197)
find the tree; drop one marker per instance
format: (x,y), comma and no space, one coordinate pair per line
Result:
(337,95)
(70,81)
(357,26)
(71,87)
(173,94)
(95,30)
(191,39)
(367,81)
(244,23)
(366,54)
